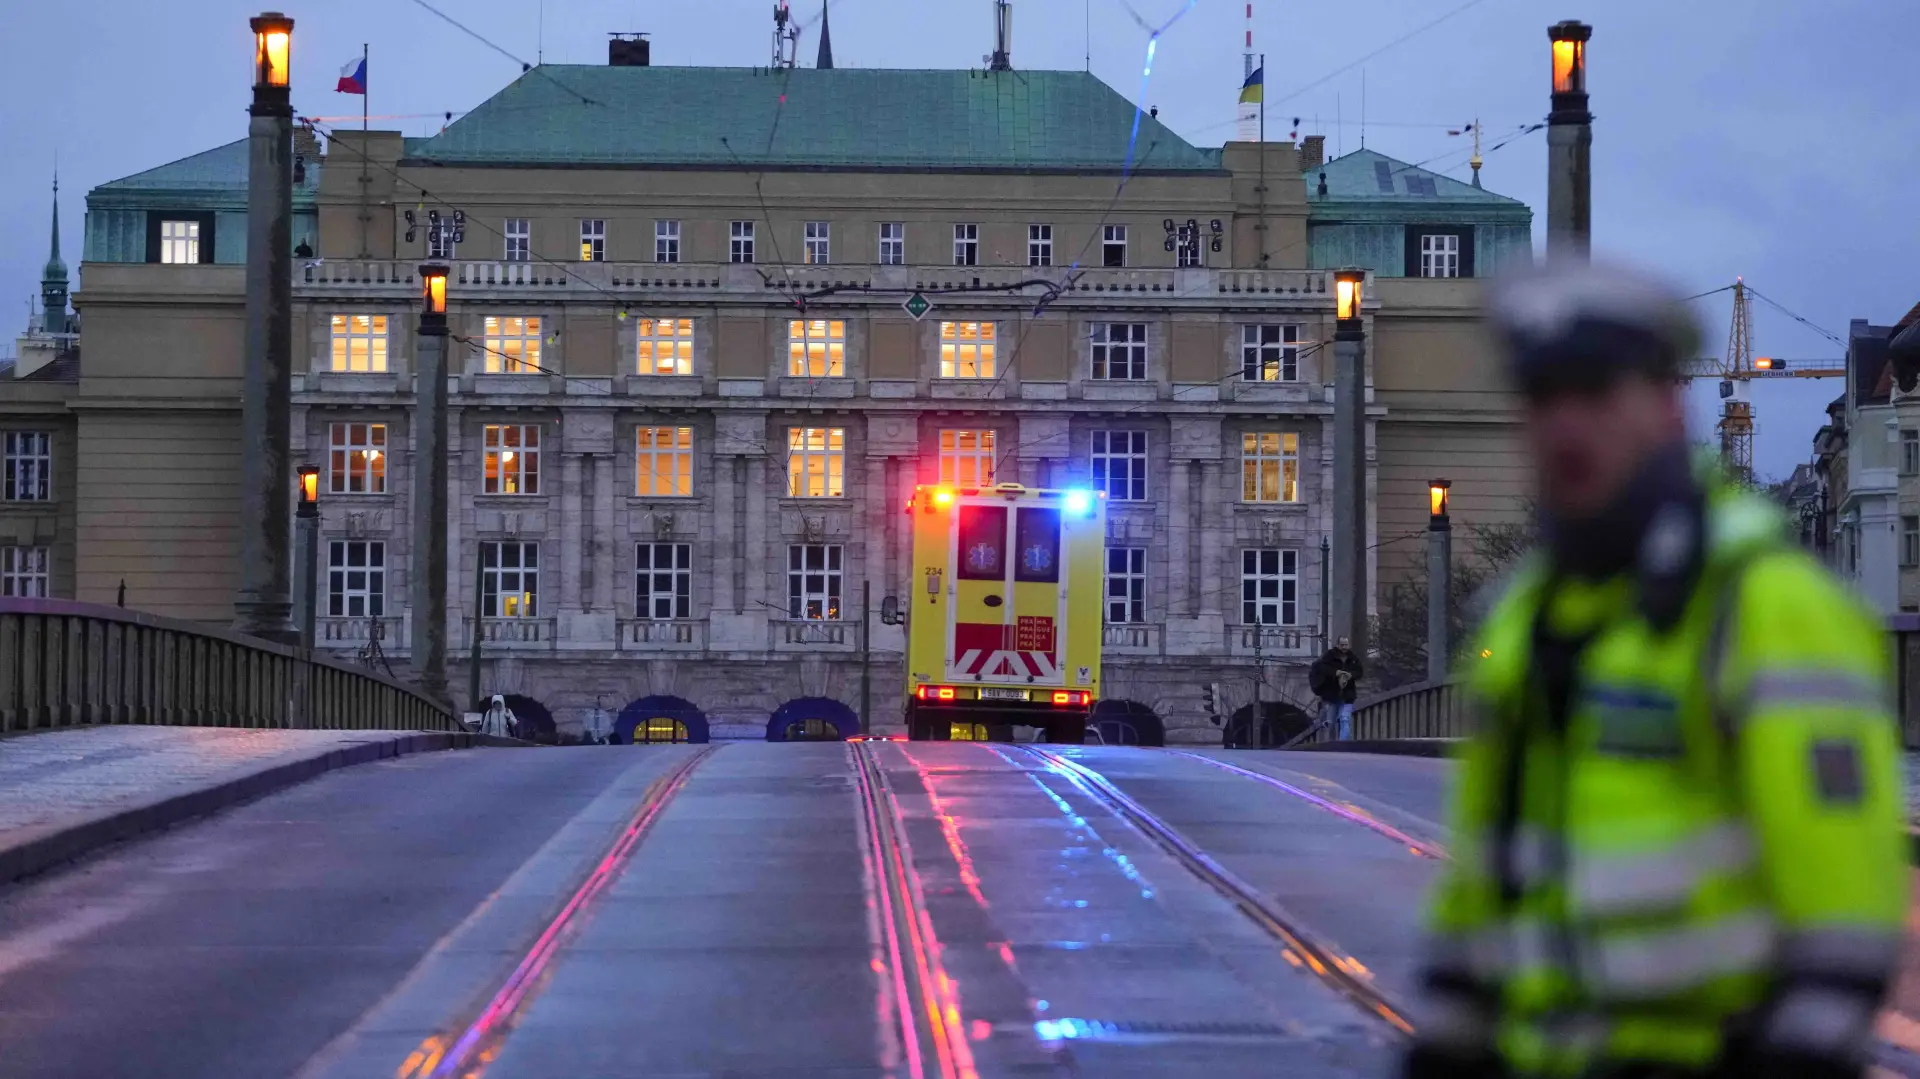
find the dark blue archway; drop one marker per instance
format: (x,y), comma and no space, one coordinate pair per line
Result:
(1127,723)
(660,707)
(799,710)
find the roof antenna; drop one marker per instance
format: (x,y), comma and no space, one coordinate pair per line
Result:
(1002,58)
(541,55)
(786,36)
(1477,160)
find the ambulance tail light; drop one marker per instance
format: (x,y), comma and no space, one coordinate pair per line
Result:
(935,693)
(1068,698)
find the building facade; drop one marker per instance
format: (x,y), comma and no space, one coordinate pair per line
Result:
(711,327)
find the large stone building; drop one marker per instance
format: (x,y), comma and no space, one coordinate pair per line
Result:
(689,402)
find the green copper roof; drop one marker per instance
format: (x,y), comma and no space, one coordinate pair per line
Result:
(846,118)
(1367,175)
(219,171)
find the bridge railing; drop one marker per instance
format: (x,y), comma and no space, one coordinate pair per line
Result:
(65,664)
(1423,710)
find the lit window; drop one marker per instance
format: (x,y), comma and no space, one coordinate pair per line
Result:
(356,579)
(1126,584)
(663,462)
(512,460)
(27,475)
(663,581)
(23,572)
(966,245)
(1269,467)
(967,349)
(510,345)
(1269,353)
(665,346)
(819,246)
(360,343)
(967,458)
(519,240)
(509,579)
(893,243)
(1113,245)
(357,455)
(1440,255)
(1269,587)
(814,581)
(659,729)
(816,462)
(740,245)
(1120,464)
(816,348)
(1039,245)
(666,241)
(179,242)
(593,241)
(1119,351)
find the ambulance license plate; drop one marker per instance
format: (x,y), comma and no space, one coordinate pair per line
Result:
(992,693)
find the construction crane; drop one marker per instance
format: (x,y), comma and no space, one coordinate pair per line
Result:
(1737,370)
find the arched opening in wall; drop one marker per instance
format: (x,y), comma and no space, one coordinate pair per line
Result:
(1280,723)
(1127,723)
(660,719)
(813,719)
(531,722)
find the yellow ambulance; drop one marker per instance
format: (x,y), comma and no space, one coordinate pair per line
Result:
(1004,616)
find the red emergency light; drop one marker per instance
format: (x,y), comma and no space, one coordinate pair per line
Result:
(1069,698)
(935,693)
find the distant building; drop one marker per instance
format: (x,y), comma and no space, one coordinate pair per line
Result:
(1867,461)
(690,400)
(38,444)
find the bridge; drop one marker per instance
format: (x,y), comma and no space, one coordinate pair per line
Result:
(208,889)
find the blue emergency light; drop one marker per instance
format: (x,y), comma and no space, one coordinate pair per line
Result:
(1080,502)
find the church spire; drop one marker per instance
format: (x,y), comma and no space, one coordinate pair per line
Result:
(825,59)
(53,282)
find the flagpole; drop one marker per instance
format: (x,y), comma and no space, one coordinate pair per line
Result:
(1263,167)
(366,91)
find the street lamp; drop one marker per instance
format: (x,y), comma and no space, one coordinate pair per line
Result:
(1349,294)
(1349,600)
(308,518)
(1569,145)
(428,594)
(264,599)
(1439,577)
(272,50)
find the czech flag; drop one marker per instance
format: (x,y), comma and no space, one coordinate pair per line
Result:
(353,77)
(1255,86)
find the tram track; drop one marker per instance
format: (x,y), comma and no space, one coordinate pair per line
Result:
(918,1004)
(1327,962)
(469,1045)
(1304,948)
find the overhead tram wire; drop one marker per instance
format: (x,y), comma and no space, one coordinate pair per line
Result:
(1395,43)
(539,69)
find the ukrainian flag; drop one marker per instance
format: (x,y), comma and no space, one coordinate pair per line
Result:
(1251,93)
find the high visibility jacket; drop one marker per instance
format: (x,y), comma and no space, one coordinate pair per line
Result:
(1712,823)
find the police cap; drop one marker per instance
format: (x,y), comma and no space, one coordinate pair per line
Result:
(1580,327)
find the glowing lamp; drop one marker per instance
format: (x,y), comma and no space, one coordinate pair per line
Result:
(1349,293)
(1437,496)
(272,50)
(433,288)
(946,693)
(1079,502)
(943,497)
(309,486)
(1570,56)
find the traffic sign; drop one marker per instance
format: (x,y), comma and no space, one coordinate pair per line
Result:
(918,305)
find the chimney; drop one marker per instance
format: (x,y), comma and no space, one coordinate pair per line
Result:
(1313,152)
(629,50)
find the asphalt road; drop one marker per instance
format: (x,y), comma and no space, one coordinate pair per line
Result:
(364,924)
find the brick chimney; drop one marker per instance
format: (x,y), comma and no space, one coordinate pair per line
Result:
(1313,152)
(306,144)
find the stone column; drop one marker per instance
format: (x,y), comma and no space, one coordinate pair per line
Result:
(1214,534)
(1180,518)
(427,573)
(603,588)
(264,605)
(575,526)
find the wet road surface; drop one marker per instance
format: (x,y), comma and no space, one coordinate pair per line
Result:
(824,910)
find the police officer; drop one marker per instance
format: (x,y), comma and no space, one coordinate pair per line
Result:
(1679,842)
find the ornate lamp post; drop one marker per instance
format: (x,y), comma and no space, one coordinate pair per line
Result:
(1439,578)
(1569,146)
(1349,600)
(428,575)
